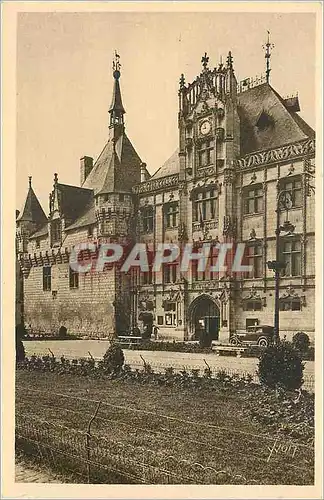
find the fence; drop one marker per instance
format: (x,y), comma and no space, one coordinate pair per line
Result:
(101,442)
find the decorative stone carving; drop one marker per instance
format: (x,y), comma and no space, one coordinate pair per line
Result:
(253,178)
(254,295)
(205,172)
(157,184)
(273,155)
(225,293)
(171,296)
(291,169)
(229,175)
(252,234)
(229,226)
(291,293)
(205,185)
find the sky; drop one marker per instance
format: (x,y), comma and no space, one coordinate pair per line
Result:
(64,79)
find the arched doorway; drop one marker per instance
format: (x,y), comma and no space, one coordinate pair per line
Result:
(204,316)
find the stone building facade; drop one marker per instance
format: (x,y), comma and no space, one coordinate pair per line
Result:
(240,144)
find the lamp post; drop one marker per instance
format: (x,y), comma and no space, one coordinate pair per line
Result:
(284,201)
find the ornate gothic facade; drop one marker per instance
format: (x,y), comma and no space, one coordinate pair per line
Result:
(239,144)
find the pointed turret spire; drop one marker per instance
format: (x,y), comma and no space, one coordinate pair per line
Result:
(32,210)
(116,109)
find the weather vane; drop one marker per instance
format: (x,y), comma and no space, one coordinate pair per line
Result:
(267,47)
(116,63)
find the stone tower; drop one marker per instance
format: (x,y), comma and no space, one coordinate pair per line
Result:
(28,220)
(112,178)
(209,145)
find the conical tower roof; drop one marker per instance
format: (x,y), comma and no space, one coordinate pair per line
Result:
(32,210)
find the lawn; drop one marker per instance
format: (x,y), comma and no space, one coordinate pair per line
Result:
(145,433)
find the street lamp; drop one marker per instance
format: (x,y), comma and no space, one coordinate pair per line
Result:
(284,201)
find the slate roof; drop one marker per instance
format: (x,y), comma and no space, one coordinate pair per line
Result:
(288,127)
(32,210)
(43,231)
(170,167)
(116,169)
(86,218)
(73,200)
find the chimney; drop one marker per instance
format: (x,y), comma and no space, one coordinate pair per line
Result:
(86,165)
(144,173)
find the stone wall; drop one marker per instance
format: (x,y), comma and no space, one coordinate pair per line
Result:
(87,310)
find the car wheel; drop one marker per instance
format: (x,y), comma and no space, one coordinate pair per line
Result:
(234,341)
(263,342)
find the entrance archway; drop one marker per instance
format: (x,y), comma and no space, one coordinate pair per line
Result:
(204,317)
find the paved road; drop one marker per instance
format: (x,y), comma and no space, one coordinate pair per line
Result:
(157,359)
(30,474)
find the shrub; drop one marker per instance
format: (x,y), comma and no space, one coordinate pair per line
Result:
(20,349)
(113,359)
(281,365)
(301,341)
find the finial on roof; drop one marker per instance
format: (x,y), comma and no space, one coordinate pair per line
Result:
(220,65)
(204,60)
(116,66)
(55,178)
(230,60)
(30,181)
(267,47)
(182,81)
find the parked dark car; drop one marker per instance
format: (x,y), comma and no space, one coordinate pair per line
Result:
(261,335)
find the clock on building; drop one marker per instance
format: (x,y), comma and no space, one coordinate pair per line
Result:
(205,127)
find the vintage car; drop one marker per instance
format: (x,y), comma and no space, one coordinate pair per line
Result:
(261,335)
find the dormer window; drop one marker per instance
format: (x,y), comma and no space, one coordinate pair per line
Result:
(264,121)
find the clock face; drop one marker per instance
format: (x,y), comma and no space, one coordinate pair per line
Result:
(205,127)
